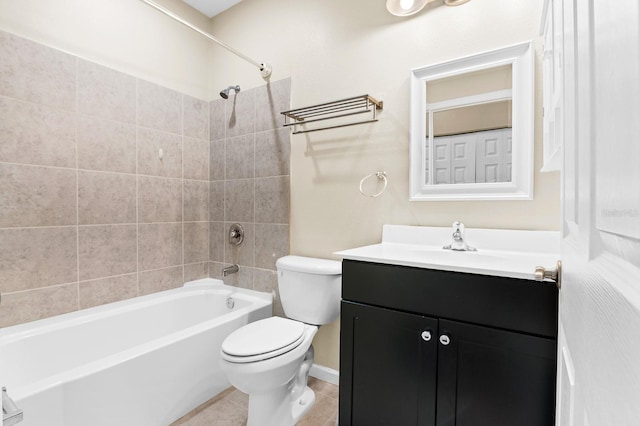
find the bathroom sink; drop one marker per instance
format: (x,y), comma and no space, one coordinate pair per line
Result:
(505,253)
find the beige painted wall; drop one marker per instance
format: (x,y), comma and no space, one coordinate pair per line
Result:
(331,49)
(334,49)
(126,35)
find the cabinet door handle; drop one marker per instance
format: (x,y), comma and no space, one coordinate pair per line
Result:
(444,339)
(426,335)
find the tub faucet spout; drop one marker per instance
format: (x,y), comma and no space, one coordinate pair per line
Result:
(230,270)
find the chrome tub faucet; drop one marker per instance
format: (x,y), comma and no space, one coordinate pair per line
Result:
(230,270)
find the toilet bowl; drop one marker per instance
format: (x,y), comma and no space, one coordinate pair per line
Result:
(270,359)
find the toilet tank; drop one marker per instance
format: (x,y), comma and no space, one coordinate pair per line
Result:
(310,288)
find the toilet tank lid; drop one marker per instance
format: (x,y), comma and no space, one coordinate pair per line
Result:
(310,265)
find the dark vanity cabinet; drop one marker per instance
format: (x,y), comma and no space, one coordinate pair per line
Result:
(428,347)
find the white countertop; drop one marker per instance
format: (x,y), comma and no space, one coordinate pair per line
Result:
(504,253)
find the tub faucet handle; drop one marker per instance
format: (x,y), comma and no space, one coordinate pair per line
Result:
(236,234)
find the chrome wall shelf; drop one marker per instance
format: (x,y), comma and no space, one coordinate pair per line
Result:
(334,111)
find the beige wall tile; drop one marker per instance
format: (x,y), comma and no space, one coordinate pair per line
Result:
(272,200)
(196,271)
(240,113)
(36,134)
(106,93)
(150,142)
(217,160)
(215,269)
(196,118)
(159,108)
(106,145)
(217,241)
(107,290)
(271,100)
(196,242)
(159,199)
(273,149)
(37,196)
(37,73)
(159,245)
(196,201)
(240,157)
(160,280)
(267,281)
(18,308)
(105,198)
(37,257)
(243,254)
(272,242)
(239,200)
(217,127)
(216,201)
(106,250)
(196,159)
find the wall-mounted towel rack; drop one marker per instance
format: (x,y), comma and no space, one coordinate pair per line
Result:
(332,111)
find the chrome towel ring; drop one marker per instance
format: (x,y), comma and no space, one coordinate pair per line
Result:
(381,176)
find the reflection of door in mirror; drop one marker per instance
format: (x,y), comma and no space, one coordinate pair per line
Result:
(470,118)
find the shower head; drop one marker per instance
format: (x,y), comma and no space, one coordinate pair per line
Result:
(225,93)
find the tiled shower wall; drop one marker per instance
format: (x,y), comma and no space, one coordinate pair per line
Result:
(106,191)
(104,184)
(249,173)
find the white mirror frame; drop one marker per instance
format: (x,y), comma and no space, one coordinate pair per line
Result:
(521,58)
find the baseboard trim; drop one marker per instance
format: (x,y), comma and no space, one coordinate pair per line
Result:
(325,373)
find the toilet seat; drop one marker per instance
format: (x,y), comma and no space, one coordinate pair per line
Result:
(262,340)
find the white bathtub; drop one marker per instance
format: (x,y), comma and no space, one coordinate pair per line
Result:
(143,361)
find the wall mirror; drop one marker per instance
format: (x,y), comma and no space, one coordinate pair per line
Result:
(472,127)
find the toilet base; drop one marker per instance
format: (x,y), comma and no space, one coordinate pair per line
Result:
(275,408)
(302,405)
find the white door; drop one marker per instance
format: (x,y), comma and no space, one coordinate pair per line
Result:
(599,341)
(493,161)
(442,159)
(463,158)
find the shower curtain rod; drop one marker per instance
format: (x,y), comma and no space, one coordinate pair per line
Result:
(265,69)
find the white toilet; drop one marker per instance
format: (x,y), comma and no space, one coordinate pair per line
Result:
(270,359)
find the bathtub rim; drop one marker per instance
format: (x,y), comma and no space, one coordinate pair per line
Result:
(32,328)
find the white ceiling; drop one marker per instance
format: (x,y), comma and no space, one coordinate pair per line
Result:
(211,7)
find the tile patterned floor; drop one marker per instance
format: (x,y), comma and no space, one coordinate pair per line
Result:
(230,408)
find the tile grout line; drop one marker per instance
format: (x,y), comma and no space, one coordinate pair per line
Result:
(224,177)
(208,136)
(76,113)
(182,112)
(255,242)
(136,119)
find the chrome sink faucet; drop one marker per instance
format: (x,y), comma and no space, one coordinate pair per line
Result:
(457,239)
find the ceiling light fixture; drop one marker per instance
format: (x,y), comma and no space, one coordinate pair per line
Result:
(410,7)
(406,7)
(455,2)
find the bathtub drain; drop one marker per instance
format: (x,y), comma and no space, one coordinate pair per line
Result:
(230,302)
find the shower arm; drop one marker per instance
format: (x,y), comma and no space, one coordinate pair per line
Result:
(265,69)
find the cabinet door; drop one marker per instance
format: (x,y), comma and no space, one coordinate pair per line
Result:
(490,377)
(387,368)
